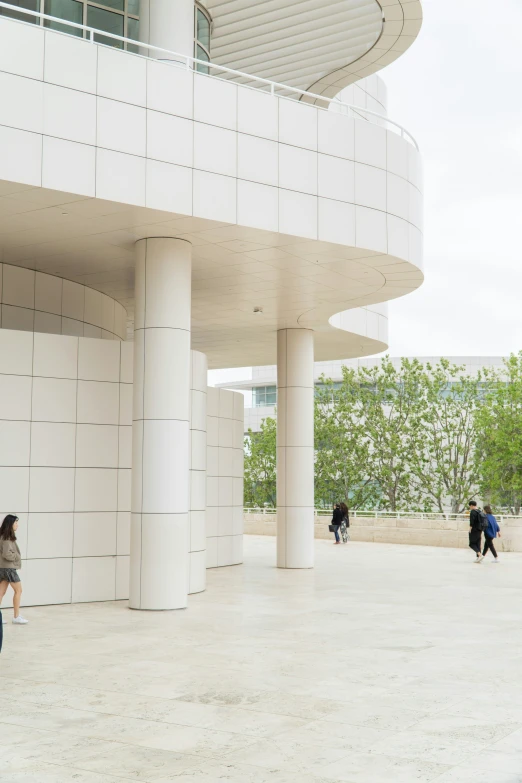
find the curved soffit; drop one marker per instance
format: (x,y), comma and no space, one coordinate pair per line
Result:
(307,45)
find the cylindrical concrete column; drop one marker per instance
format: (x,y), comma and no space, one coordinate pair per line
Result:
(295,448)
(197,572)
(161,425)
(168,24)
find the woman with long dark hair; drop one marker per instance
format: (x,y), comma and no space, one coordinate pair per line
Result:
(10,563)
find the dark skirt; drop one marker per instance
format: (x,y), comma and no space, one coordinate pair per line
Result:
(9,575)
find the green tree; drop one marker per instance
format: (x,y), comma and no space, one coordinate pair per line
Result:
(390,406)
(444,467)
(500,439)
(260,466)
(341,450)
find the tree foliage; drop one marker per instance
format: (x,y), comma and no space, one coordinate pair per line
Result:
(260,466)
(445,467)
(500,436)
(407,436)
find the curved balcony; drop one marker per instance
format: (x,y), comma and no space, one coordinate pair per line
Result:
(295,213)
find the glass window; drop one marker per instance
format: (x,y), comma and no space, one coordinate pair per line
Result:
(117,4)
(203,30)
(105,20)
(133,31)
(201,55)
(30,5)
(64,9)
(133,7)
(264,396)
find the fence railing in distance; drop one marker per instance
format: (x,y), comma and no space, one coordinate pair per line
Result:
(378,514)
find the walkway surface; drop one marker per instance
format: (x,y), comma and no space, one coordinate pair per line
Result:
(386,664)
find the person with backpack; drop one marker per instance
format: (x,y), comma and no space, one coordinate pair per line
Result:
(490,534)
(478,523)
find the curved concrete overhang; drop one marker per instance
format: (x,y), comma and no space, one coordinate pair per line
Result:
(295,214)
(312,45)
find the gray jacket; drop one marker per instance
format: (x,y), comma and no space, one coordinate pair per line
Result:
(10,556)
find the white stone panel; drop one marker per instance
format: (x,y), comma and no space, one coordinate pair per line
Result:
(215,102)
(257,205)
(98,402)
(54,400)
(335,178)
(122,76)
(257,160)
(24,162)
(170,138)
(47,581)
(21,50)
(69,114)
(96,489)
(94,534)
(18,286)
(336,222)
(257,114)
(214,196)
(99,361)
(15,440)
(93,579)
(370,187)
(297,169)
(297,214)
(336,134)
(49,536)
(22,103)
(52,444)
(55,356)
(170,89)
(16,352)
(297,124)
(70,62)
(215,149)
(120,177)
(121,127)
(51,489)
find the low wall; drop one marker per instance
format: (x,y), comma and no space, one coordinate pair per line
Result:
(420,532)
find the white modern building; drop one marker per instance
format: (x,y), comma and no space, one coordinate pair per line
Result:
(161,215)
(259,384)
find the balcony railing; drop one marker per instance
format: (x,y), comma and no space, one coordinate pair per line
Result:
(378,514)
(185,61)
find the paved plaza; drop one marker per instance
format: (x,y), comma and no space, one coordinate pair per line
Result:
(385,664)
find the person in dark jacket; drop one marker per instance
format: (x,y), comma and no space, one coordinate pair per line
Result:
(475,531)
(491,533)
(337,518)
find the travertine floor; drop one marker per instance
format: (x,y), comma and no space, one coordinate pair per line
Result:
(385,664)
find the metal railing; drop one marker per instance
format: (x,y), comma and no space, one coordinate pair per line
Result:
(186,61)
(379,514)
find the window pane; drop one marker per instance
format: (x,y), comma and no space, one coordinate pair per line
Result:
(201,55)
(105,20)
(30,5)
(133,7)
(64,9)
(203,30)
(133,31)
(117,4)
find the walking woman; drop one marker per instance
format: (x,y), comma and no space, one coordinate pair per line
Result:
(10,562)
(337,518)
(491,532)
(345,523)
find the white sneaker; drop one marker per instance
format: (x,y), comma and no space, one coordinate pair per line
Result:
(480,558)
(20,620)
(495,559)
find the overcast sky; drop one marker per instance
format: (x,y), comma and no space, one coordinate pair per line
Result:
(459,91)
